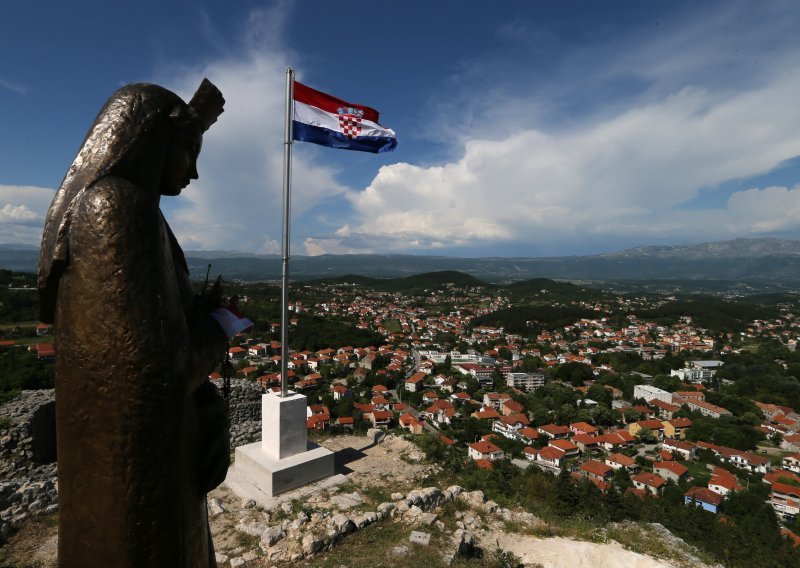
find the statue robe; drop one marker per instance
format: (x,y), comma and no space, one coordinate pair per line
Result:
(132,357)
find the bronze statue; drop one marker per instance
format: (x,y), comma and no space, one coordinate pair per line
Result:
(142,435)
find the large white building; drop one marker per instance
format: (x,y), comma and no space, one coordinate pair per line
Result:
(693,375)
(439,357)
(649,393)
(525,381)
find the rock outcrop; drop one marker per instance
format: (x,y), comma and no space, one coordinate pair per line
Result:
(27,458)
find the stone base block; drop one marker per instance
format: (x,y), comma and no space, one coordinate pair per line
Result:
(272,476)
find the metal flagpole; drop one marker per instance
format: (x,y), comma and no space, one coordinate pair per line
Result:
(287,171)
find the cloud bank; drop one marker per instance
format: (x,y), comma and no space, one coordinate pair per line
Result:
(22,212)
(237,202)
(629,175)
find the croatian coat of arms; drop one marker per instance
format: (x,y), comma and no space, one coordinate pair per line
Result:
(350,121)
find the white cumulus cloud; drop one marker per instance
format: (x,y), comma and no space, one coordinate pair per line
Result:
(237,202)
(22,212)
(627,174)
(16,214)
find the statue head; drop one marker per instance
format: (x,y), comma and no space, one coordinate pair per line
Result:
(145,134)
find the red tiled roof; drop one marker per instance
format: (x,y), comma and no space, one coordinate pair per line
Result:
(596,468)
(551,453)
(789,535)
(583,426)
(672,466)
(513,406)
(486,414)
(786,489)
(621,459)
(484,447)
(554,429)
(703,494)
(512,419)
(528,432)
(649,479)
(563,445)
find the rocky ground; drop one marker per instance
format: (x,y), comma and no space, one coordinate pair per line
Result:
(382,516)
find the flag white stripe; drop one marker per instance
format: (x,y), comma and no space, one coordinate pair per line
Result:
(314,116)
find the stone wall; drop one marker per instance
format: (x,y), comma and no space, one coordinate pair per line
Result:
(244,411)
(27,458)
(28,448)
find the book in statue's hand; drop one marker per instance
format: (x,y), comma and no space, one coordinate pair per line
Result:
(230,320)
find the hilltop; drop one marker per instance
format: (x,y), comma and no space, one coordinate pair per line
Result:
(427,280)
(751,265)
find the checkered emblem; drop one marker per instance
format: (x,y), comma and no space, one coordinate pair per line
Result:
(350,121)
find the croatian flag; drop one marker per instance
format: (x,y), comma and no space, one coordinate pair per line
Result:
(326,120)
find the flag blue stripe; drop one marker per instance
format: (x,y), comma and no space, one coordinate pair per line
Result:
(316,135)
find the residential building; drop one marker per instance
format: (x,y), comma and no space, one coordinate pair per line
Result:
(621,461)
(706,408)
(485,450)
(550,457)
(530,453)
(509,426)
(582,428)
(679,397)
(511,406)
(380,418)
(792,463)
(684,450)
(554,431)
(649,393)
(586,442)
(723,482)
(744,460)
(785,499)
(570,450)
(596,470)
(649,482)
(415,382)
(495,399)
(654,426)
(703,497)
(489,414)
(524,381)
(409,422)
(670,470)
(750,462)
(616,440)
(527,435)
(664,409)
(693,375)
(676,428)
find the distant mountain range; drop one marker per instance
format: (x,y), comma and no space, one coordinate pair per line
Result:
(740,260)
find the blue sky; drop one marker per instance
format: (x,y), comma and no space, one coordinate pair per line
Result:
(524,128)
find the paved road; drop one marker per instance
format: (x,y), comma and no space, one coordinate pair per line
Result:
(522,464)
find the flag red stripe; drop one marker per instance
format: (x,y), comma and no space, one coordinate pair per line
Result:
(328,103)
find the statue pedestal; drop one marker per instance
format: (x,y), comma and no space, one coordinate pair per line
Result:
(284,459)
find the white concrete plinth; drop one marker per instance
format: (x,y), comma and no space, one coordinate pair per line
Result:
(284,459)
(283,424)
(272,476)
